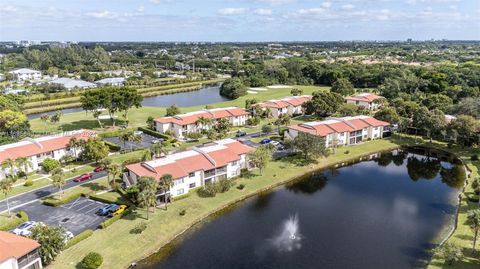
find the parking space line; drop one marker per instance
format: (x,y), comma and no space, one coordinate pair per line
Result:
(75,202)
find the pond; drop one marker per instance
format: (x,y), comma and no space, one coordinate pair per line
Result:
(384,212)
(204,96)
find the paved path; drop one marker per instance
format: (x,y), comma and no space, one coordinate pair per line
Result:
(32,196)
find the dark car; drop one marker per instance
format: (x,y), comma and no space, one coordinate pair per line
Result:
(98,169)
(83,177)
(107,209)
(240,133)
(265,141)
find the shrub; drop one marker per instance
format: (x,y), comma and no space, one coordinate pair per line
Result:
(92,260)
(223,185)
(21,217)
(28,183)
(132,193)
(79,237)
(347,151)
(50,165)
(194,135)
(267,129)
(209,190)
(139,228)
(50,201)
(154,133)
(112,146)
(245,173)
(111,220)
(183,212)
(474,157)
(241,186)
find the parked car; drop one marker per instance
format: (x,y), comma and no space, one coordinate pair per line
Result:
(83,177)
(265,141)
(68,235)
(118,211)
(156,141)
(240,133)
(25,229)
(137,132)
(99,169)
(107,209)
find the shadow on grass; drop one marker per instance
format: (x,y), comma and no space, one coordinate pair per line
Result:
(94,186)
(299,160)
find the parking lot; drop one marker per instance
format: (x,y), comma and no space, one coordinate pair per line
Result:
(75,216)
(129,145)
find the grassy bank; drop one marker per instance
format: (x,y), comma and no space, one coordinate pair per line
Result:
(115,242)
(138,116)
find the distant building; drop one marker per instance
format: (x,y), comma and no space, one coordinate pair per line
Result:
(365,100)
(18,252)
(71,84)
(2,77)
(15,91)
(38,149)
(291,105)
(193,168)
(449,118)
(342,131)
(181,125)
(24,74)
(111,82)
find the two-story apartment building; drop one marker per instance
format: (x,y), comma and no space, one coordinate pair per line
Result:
(38,149)
(181,125)
(366,100)
(193,168)
(342,131)
(24,74)
(18,252)
(291,105)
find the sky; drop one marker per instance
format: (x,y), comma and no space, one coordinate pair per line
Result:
(238,20)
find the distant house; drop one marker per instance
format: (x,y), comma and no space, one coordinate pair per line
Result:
(181,125)
(342,131)
(449,118)
(24,74)
(71,84)
(15,91)
(38,149)
(2,77)
(18,252)
(193,168)
(365,100)
(111,82)
(291,105)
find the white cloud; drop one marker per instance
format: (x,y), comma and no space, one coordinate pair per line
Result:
(102,14)
(263,11)
(348,7)
(275,2)
(326,4)
(160,1)
(232,11)
(8,8)
(141,9)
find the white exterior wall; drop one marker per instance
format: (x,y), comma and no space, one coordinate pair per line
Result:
(11,263)
(28,76)
(367,105)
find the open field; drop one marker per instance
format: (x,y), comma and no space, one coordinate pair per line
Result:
(138,116)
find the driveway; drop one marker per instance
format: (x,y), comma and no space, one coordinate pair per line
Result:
(76,216)
(32,196)
(128,145)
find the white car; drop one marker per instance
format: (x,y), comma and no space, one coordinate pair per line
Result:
(25,229)
(137,132)
(68,235)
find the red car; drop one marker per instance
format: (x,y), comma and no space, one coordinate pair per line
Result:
(98,169)
(83,177)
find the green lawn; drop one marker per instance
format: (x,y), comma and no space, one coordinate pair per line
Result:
(21,189)
(115,242)
(138,116)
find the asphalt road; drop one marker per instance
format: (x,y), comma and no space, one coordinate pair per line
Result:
(32,196)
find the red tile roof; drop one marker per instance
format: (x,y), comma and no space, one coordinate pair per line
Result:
(16,246)
(31,147)
(364,97)
(346,124)
(285,102)
(191,118)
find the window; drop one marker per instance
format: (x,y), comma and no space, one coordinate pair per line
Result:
(177,182)
(192,174)
(234,162)
(180,191)
(192,185)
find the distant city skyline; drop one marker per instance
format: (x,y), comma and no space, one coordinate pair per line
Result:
(241,20)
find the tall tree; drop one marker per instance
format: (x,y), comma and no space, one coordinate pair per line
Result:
(24,163)
(148,190)
(172,110)
(10,165)
(75,143)
(6,186)
(204,123)
(165,183)
(51,240)
(94,149)
(310,146)
(323,104)
(59,181)
(260,157)
(128,98)
(474,223)
(45,118)
(343,87)
(113,171)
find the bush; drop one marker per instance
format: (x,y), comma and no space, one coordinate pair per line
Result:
(50,165)
(194,135)
(132,193)
(245,173)
(21,217)
(92,260)
(139,228)
(223,185)
(28,183)
(347,151)
(241,186)
(474,157)
(112,146)
(233,88)
(209,190)
(183,212)
(50,201)
(267,129)
(79,237)
(111,220)
(154,133)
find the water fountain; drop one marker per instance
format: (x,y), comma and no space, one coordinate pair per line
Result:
(288,239)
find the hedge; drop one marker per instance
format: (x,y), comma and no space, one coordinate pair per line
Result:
(79,237)
(55,202)
(111,220)
(112,146)
(21,217)
(154,133)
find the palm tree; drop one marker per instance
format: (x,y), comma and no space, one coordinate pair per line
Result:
(74,143)
(474,219)
(204,123)
(45,119)
(24,163)
(166,182)
(148,193)
(58,181)
(136,139)
(9,164)
(6,186)
(113,171)
(130,136)
(157,150)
